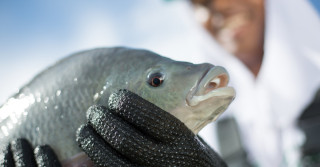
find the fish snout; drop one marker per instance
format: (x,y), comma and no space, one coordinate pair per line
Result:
(214,83)
(208,99)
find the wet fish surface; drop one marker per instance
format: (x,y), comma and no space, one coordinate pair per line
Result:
(50,108)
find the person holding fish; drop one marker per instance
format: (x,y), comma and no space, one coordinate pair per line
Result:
(137,114)
(266,69)
(271,50)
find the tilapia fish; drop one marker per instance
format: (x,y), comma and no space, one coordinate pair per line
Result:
(50,108)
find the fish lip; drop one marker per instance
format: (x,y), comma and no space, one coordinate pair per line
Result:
(197,93)
(224,92)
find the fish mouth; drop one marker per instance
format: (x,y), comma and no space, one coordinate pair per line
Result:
(210,97)
(212,84)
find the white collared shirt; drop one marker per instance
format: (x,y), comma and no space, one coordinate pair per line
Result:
(267,108)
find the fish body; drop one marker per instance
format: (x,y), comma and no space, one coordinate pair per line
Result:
(50,108)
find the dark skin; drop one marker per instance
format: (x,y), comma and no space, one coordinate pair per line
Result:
(238,26)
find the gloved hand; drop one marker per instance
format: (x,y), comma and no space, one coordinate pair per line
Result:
(20,153)
(134,132)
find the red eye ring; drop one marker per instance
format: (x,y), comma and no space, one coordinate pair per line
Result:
(155,79)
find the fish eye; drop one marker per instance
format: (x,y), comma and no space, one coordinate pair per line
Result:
(155,79)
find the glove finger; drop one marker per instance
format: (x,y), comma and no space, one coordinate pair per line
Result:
(122,136)
(6,157)
(45,156)
(98,150)
(146,116)
(22,153)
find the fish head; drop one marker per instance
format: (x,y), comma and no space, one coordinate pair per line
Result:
(196,94)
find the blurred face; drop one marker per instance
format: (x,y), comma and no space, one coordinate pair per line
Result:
(238,25)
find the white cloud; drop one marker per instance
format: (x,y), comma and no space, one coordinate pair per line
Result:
(94,29)
(156,25)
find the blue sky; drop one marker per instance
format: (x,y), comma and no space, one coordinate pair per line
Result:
(36,33)
(316,4)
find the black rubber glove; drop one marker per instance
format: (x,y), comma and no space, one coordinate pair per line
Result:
(19,153)
(134,132)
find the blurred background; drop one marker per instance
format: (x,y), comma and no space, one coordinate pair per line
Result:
(34,34)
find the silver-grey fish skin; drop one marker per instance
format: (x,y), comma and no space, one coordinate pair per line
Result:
(50,108)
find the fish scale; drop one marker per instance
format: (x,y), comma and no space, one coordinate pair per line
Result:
(50,108)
